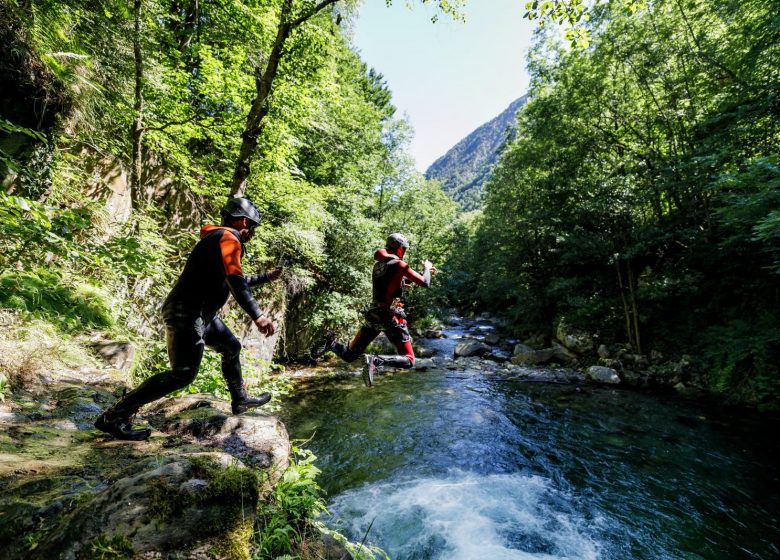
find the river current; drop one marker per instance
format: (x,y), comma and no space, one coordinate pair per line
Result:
(454,463)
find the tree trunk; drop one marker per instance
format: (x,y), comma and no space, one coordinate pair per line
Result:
(635,311)
(264,82)
(254,121)
(630,308)
(626,310)
(137,130)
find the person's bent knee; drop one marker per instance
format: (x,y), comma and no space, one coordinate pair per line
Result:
(350,355)
(230,349)
(184,376)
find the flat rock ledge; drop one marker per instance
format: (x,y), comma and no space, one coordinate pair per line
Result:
(192,491)
(254,438)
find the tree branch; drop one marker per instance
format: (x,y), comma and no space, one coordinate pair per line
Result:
(318,8)
(172,123)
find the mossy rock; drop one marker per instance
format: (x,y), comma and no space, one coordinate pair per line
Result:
(177,503)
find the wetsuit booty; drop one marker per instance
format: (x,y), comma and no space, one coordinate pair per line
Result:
(121,428)
(404,362)
(243,401)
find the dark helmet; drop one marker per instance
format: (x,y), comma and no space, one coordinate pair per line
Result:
(396,240)
(241,208)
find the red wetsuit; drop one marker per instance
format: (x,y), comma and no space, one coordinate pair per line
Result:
(388,278)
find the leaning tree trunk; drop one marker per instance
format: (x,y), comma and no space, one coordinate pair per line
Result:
(255,120)
(264,81)
(137,130)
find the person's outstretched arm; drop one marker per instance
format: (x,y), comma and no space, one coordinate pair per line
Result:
(262,278)
(423,279)
(238,284)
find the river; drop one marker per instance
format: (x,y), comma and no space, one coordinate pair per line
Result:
(456,463)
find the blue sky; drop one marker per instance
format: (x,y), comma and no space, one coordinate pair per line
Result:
(448,77)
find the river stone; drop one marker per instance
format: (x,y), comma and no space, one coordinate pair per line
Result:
(521,349)
(435,332)
(601,374)
(254,438)
(574,339)
(603,352)
(492,338)
(118,354)
(423,364)
(533,357)
(468,348)
(563,354)
(160,508)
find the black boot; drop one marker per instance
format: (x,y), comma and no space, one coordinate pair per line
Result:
(323,345)
(120,428)
(403,362)
(243,401)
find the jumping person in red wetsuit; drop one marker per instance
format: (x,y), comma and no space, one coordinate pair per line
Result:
(386,313)
(213,272)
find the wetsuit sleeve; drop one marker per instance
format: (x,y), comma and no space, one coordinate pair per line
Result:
(230,248)
(255,279)
(423,280)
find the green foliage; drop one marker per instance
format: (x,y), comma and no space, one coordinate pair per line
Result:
(744,356)
(73,306)
(640,196)
(297,499)
(104,547)
(3,387)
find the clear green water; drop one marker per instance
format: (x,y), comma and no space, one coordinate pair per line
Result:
(464,465)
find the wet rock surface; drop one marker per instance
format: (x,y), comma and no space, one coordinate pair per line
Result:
(469,348)
(601,374)
(257,439)
(191,491)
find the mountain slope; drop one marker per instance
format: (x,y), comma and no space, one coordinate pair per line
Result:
(466,166)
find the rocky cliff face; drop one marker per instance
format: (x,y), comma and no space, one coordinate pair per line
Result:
(464,169)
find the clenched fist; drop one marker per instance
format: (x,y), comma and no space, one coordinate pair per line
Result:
(265,325)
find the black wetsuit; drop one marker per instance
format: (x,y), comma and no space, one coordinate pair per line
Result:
(213,272)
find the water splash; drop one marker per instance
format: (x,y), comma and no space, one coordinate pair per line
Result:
(465,516)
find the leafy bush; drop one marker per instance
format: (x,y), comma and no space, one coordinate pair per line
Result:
(286,521)
(742,357)
(73,306)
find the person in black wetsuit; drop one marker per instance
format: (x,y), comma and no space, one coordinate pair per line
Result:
(390,274)
(212,272)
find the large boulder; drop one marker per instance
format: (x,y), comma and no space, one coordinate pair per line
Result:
(256,439)
(601,374)
(204,502)
(574,339)
(468,348)
(533,357)
(563,354)
(187,492)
